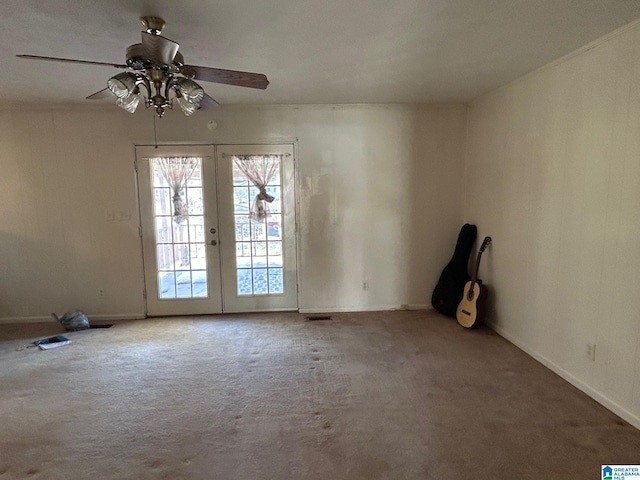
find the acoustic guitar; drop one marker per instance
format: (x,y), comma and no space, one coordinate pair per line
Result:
(470,312)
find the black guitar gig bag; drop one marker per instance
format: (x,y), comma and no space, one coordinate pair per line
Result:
(450,287)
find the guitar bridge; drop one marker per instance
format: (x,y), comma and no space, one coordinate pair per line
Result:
(465,312)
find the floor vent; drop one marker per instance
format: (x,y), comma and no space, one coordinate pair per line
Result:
(319,317)
(102,325)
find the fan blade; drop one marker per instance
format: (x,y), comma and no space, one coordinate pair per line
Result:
(104,93)
(68,60)
(229,77)
(208,103)
(159,50)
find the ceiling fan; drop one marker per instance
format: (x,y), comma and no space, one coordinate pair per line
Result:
(157,67)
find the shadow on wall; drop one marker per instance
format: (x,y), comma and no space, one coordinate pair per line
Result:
(435,180)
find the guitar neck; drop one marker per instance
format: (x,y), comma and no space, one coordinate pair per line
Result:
(485,243)
(474,277)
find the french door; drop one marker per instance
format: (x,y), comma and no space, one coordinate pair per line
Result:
(217,234)
(258,248)
(180,251)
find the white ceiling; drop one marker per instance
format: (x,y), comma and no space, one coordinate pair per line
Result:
(312,51)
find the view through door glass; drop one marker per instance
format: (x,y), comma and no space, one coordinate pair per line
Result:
(257,213)
(179,234)
(259,260)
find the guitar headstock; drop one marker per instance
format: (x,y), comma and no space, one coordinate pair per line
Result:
(485,243)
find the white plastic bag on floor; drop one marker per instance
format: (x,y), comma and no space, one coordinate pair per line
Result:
(73,321)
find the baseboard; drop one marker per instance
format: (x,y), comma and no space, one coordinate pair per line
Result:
(92,318)
(415,306)
(116,318)
(382,308)
(596,395)
(230,312)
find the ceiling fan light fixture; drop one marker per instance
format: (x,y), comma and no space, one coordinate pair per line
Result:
(130,103)
(190,90)
(123,84)
(188,108)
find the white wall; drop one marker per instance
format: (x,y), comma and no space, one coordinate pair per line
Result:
(380,201)
(553,175)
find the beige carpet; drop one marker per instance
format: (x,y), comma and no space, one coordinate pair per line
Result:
(393,395)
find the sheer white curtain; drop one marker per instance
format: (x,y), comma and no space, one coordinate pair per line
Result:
(177,171)
(259,170)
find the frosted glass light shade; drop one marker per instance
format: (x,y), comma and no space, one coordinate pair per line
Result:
(123,84)
(187,107)
(129,103)
(190,90)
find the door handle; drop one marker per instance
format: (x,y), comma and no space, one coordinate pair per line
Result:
(214,242)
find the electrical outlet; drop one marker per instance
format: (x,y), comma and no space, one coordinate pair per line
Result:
(365,285)
(591,351)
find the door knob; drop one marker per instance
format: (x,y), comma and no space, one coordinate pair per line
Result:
(214,242)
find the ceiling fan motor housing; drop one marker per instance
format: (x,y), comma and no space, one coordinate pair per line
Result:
(136,57)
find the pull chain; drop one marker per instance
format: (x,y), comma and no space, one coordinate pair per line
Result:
(155,131)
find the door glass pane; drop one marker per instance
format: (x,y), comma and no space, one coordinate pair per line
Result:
(259,258)
(275,280)
(179,234)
